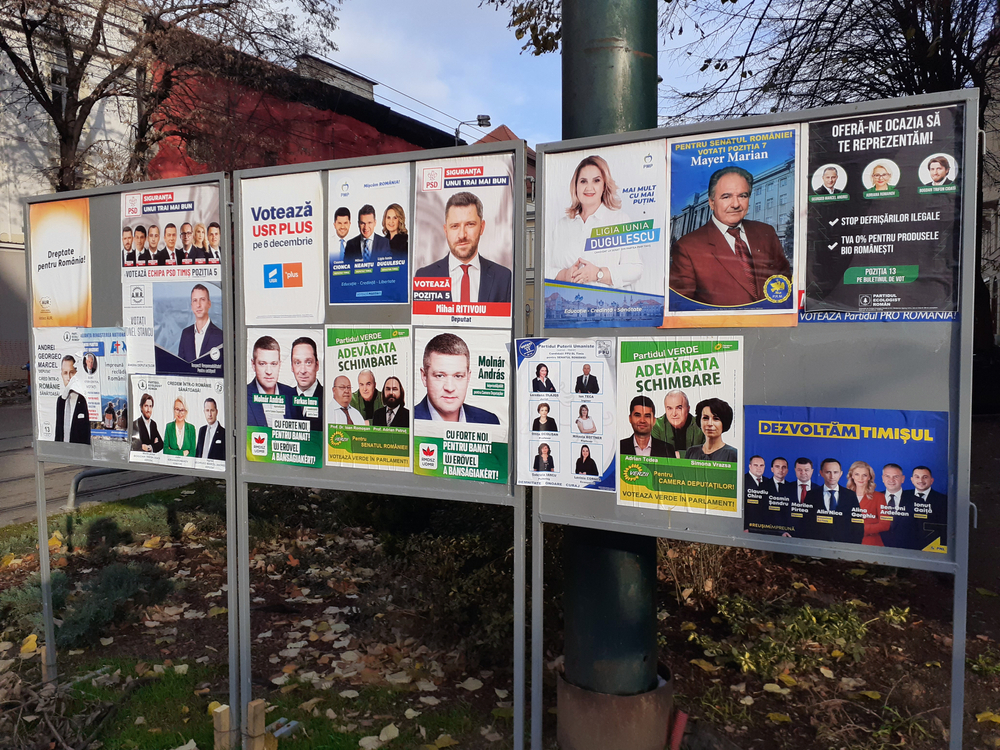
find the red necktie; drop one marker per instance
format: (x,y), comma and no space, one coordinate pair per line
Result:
(802,494)
(746,262)
(348,415)
(465,284)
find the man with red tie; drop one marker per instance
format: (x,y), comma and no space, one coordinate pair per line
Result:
(473,277)
(728,261)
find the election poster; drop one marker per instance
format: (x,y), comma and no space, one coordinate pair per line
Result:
(605,236)
(285,396)
(178,422)
(282,235)
(883,234)
(871,477)
(369,238)
(168,228)
(733,229)
(463,241)
(81,389)
(680,423)
(175,327)
(60,263)
(462,411)
(368,418)
(566,413)
(172,280)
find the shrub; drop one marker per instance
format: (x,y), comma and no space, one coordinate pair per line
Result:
(21,607)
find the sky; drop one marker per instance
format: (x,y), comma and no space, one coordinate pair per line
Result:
(456,57)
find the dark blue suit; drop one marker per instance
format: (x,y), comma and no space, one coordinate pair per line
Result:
(473,414)
(315,423)
(255,412)
(217,450)
(494,279)
(185,350)
(380,247)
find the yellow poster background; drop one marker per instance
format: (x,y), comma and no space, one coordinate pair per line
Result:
(60,263)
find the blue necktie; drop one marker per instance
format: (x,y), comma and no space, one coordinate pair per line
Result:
(833,499)
(341,250)
(368,252)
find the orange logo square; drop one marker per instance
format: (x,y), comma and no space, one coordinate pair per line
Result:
(292,273)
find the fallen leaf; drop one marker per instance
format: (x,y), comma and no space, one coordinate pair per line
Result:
(429,700)
(688,626)
(788,680)
(850,683)
(389,732)
(780,718)
(826,672)
(773,687)
(181,668)
(445,740)
(212,706)
(189,745)
(873,694)
(214,611)
(399,678)
(746,700)
(836,653)
(152,543)
(798,585)
(987,716)
(349,693)
(932,664)
(985,592)
(740,688)
(30,644)
(309,704)
(471,684)
(501,694)
(426,686)
(858,571)
(706,665)
(411,713)
(140,720)
(369,743)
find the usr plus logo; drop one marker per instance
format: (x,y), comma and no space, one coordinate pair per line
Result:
(279,275)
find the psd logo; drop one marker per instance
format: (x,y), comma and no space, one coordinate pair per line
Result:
(292,273)
(428,456)
(433,179)
(138,295)
(273,276)
(258,443)
(132,205)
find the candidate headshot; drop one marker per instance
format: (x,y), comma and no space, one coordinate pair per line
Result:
(394,413)
(305,368)
(828,181)
(473,277)
(594,202)
(394,228)
(342,227)
(202,336)
(367,399)
(128,253)
(90,363)
(940,171)
(145,434)
(728,261)
(678,426)
(715,417)
(445,373)
(266,363)
(142,253)
(881,178)
(366,245)
(214,235)
(72,415)
(541,383)
(642,415)
(341,411)
(212,436)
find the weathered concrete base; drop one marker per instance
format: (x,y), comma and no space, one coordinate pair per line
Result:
(598,721)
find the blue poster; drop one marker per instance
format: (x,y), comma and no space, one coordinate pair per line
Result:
(732,223)
(369,235)
(874,477)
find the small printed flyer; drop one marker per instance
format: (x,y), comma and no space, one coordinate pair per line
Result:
(178,422)
(732,229)
(368,418)
(81,389)
(566,413)
(605,236)
(463,249)
(874,477)
(462,412)
(282,235)
(369,238)
(170,227)
(285,396)
(680,406)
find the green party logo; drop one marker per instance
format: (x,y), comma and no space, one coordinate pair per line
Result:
(634,472)
(337,437)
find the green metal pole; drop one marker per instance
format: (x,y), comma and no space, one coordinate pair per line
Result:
(609,86)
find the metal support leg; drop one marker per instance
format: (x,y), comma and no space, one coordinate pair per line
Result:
(232,568)
(75,486)
(537,622)
(243,604)
(519,553)
(45,573)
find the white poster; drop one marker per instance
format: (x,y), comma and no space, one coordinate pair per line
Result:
(178,422)
(283,249)
(566,413)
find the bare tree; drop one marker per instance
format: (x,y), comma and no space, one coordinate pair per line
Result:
(67,59)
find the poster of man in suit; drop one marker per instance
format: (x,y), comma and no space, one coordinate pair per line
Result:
(732,228)
(463,249)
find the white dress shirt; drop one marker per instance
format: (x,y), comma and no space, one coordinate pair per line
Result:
(337,415)
(209,437)
(724,228)
(456,273)
(435,417)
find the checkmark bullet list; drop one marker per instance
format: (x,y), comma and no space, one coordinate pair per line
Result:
(835,222)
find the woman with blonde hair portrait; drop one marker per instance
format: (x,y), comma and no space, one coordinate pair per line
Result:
(594,203)
(861,479)
(394,227)
(179,438)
